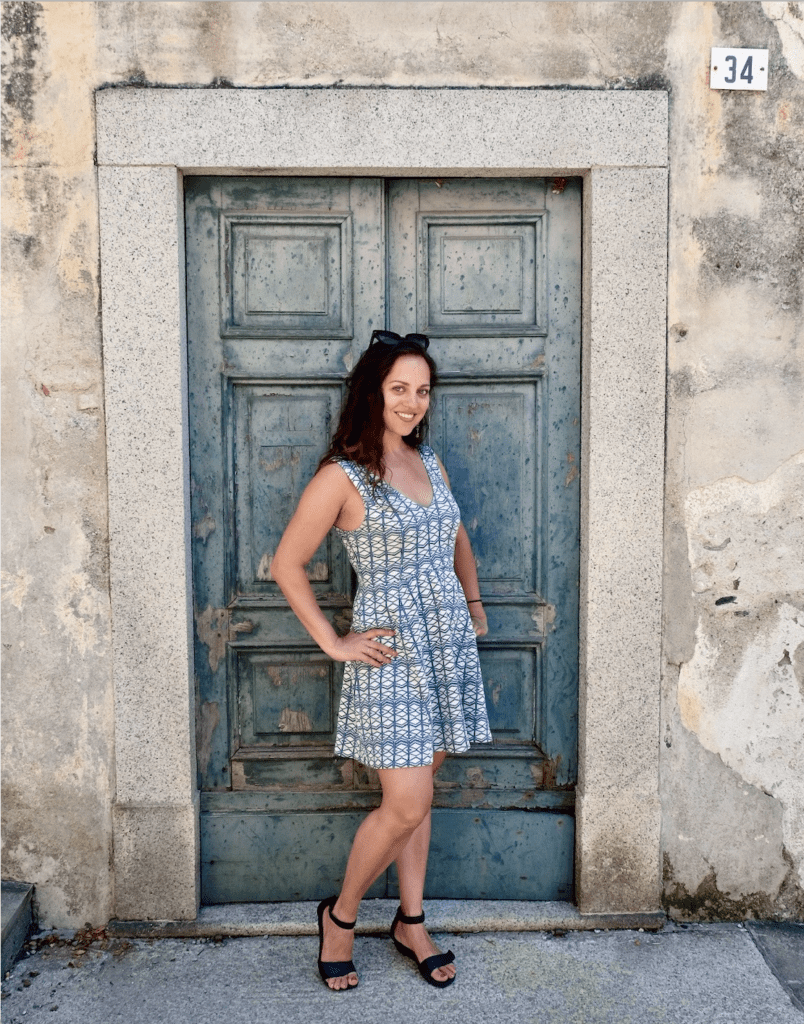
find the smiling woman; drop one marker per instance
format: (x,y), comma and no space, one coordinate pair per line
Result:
(412,689)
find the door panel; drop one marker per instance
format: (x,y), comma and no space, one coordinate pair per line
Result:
(500,854)
(287,275)
(286,280)
(276,441)
(479,274)
(471,425)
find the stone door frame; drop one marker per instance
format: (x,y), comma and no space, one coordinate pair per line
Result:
(147,139)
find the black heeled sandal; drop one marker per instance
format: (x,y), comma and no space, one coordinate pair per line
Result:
(430,963)
(333,968)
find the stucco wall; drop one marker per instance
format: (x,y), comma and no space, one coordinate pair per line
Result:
(731,745)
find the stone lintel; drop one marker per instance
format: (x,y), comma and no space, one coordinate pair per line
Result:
(377,131)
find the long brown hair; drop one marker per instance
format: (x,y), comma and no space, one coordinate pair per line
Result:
(360,430)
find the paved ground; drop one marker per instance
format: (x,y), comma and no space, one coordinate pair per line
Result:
(695,974)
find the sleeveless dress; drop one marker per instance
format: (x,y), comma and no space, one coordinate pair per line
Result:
(430,697)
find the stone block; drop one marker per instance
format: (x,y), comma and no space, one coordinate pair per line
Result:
(149,508)
(618,831)
(156,858)
(622,492)
(17,919)
(368,131)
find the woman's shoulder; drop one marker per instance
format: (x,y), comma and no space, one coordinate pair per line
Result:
(428,454)
(338,470)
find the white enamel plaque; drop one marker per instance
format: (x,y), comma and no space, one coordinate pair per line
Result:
(738,68)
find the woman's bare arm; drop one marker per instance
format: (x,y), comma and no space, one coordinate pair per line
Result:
(466,571)
(317,511)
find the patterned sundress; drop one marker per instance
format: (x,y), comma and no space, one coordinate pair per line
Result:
(430,697)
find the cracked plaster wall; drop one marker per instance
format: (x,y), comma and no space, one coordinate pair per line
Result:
(731,698)
(732,709)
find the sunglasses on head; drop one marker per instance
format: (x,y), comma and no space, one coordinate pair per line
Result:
(392,338)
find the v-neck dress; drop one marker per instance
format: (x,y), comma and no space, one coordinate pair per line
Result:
(430,697)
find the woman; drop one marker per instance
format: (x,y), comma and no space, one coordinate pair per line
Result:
(412,689)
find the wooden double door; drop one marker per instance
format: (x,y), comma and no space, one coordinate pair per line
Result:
(286,279)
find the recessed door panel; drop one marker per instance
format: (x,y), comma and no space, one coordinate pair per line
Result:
(481,274)
(287,275)
(276,440)
(471,427)
(285,699)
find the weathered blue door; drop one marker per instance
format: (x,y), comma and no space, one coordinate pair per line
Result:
(286,278)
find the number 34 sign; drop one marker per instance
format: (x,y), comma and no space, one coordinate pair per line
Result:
(738,68)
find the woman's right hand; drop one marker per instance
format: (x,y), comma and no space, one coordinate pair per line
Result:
(363,647)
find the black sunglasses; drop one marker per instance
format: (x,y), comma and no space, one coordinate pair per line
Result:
(392,338)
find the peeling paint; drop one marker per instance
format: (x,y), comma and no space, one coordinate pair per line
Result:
(82,611)
(294,721)
(787,18)
(550,772)
(754,718)
(572,472)
(212,626)
(204,528)
(315,571)
(215,629)
(476,779)
(342,621)
(209,717)
(279,462)
(544,615)
(15,587)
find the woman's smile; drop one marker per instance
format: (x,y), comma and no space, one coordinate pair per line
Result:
(406,394)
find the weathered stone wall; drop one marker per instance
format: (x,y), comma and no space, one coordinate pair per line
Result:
(733,700)
(57,694)
(732,737)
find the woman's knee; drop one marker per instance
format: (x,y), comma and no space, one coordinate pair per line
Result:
(409,815)
(409,804)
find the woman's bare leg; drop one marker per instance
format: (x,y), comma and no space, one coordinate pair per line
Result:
(407,794)
(411,866)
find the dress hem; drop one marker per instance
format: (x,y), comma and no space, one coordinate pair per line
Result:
(436,750)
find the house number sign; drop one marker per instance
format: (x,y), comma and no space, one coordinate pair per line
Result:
(738,68)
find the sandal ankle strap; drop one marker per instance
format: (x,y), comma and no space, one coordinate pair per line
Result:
(341,924)
(406,919)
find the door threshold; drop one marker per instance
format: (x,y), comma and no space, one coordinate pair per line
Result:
(454,916)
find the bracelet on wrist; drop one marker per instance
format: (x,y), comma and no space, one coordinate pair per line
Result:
(476,601)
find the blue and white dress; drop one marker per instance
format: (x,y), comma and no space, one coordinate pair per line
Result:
(430,697)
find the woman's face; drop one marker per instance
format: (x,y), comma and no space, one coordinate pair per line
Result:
(406,394)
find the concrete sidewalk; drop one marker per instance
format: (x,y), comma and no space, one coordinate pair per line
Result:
(683,974)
